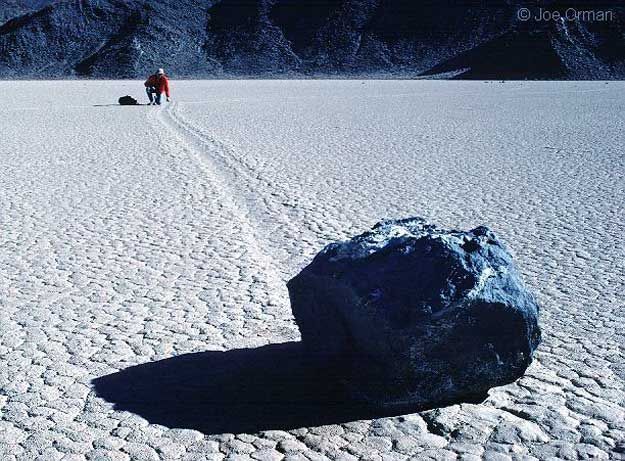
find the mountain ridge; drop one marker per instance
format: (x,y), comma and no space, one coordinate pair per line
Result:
(291,38)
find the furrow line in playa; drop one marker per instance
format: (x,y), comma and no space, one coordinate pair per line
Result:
(260,199)
(196,151)
(240,246)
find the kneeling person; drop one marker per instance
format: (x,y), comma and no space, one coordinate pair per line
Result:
(156,85)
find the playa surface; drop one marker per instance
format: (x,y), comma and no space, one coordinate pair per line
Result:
(132,235)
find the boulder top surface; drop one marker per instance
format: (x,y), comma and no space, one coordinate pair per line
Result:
(478,252)
(391,233)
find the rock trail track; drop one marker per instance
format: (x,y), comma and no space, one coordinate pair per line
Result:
(127,239)
(265,210)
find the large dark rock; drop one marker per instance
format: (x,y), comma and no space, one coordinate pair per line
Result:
(416,315)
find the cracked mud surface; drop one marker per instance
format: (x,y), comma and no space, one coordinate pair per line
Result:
(133,235)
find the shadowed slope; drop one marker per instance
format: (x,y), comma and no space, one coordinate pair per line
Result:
(12,8)
(194,38)
(106,38)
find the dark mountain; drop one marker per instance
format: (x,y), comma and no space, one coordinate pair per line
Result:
(555,49)
(106,38)
(203,38)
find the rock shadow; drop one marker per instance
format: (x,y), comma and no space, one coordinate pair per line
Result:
(245,390)
(119,105)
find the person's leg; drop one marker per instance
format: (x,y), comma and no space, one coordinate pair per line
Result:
(148,90)
(157,97)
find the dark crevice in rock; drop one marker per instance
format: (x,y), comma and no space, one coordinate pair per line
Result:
(433,426)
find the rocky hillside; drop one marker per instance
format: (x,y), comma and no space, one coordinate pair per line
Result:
(205,38)
(12,8)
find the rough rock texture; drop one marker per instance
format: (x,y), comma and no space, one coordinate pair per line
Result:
(420,315)
(13,8)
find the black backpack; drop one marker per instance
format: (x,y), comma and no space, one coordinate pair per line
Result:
(127,101)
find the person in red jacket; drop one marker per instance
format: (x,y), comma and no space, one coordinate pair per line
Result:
(156,85)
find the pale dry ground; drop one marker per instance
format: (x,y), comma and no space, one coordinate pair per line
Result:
(130,235)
